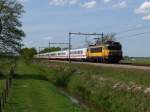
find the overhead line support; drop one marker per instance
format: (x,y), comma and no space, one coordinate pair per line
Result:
(79,33)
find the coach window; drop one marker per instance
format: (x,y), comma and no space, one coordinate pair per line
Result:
(81,52)
(95,50)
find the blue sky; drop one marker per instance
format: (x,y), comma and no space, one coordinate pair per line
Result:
(46,20)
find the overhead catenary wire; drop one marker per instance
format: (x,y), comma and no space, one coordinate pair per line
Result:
(133,29)
(134,35)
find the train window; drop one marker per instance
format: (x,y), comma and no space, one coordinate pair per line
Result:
(79,52)
(72,52)
(95,50)
(114,47)
(53,54)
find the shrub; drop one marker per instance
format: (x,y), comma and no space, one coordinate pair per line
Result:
(62,76)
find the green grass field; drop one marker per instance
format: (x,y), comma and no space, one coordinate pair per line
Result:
(32,93)
(102,89)
(108,89)
(38,96)
(136,60)
(5,65)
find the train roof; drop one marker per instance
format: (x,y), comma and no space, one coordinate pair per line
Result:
(66,50)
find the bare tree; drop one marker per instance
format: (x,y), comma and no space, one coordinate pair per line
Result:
(109,37)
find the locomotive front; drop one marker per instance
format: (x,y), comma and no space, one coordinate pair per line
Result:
(114,52)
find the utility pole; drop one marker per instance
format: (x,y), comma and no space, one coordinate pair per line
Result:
(49,49)
(69,46)
(102,37)
(39,52)
(49,46)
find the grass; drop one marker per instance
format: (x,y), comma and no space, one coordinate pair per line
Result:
(5,65)
(108,89)
(139,60)
(38,96)
(31,92)
(141,77)
(103,89)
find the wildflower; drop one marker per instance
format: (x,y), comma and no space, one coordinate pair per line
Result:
(147,90)
(117,85)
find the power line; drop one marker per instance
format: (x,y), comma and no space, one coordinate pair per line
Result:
(133,29)
(134,35)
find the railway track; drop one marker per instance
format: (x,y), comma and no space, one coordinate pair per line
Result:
(135,64)
(121,65)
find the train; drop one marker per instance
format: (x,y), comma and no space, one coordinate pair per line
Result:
(110,52)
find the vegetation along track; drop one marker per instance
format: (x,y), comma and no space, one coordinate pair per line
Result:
(120,65)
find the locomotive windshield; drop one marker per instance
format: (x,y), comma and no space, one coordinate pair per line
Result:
(95,50)
(114,47)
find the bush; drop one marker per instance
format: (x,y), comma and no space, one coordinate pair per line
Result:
(62,76)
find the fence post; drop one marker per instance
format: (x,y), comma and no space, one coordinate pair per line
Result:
(2,99)
(1,105)
(6,87)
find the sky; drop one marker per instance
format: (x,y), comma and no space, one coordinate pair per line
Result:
(51,20)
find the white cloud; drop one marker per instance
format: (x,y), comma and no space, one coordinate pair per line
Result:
(107,1)
(90,4)
(144,9)
(23,1)
(120,5)
(62,2)
(73,1)
(147,17)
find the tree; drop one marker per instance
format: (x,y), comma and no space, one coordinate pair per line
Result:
(52,49)
(10,26)
(106,38)
(28,53)
(109,37)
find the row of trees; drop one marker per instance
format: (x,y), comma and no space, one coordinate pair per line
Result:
(28,53)
(51,49)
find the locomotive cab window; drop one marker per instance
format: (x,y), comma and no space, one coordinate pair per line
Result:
(95,50)
(114,47)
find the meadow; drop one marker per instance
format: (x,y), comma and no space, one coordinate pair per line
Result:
(106,89)
(32,92)
(102,89)
(137,60)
